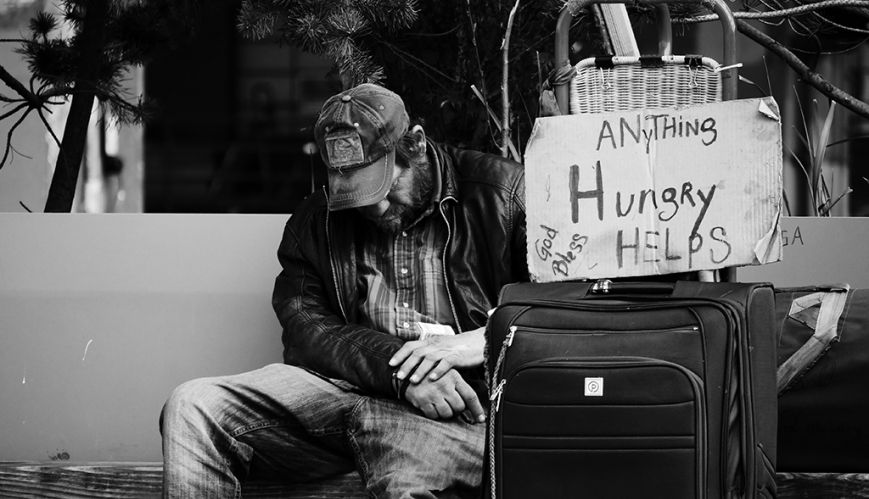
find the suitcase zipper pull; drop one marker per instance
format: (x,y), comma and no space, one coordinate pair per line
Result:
(509,339)
(496,395)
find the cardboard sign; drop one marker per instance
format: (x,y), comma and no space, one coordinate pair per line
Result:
(654,191)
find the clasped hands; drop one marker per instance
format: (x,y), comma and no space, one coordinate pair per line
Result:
(434,386)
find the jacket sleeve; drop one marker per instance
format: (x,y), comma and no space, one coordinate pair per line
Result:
(315,335)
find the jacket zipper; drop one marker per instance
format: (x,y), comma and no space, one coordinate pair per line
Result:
(444,262)
(333,265)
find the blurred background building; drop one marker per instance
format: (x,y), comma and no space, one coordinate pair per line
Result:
(233,131)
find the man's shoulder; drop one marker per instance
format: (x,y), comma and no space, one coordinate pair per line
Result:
(480,167)
(311,209)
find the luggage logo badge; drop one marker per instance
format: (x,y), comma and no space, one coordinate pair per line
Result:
(594,387)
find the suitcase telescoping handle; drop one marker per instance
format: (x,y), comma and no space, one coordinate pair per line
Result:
(725,17)
(605,286)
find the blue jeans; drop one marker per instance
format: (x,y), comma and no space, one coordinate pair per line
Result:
(285,423)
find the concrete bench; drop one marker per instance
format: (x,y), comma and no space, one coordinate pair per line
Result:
(119,479)
(102,315)
(89,480)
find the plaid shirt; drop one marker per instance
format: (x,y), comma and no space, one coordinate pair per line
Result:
(401,277)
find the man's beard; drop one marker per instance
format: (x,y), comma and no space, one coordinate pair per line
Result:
(400,216)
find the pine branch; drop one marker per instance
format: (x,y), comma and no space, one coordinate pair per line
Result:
(63,182)
(257,21)
(108,36)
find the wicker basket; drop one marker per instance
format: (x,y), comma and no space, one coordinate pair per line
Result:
(603,84)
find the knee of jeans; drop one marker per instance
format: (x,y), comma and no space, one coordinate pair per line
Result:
(188,401)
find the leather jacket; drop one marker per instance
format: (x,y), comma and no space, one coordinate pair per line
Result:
(316,298)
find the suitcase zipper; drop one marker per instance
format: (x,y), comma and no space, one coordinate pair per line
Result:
(532,329)
(511,337)
(495,404)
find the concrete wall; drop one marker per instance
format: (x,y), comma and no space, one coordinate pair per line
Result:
(102,315)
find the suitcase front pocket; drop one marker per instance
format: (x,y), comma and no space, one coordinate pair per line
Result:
(601,428)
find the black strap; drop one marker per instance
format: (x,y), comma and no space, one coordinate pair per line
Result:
(604,62)
(694,61)
(651,61)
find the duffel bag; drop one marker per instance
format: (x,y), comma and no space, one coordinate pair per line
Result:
(823,379)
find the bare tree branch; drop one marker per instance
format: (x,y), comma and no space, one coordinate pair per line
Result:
(473,25)
(15,110)
(830,22)
(474,44)
(48,127)
(9,136)
(420,64)
(494,119)
(505,77)
(802,9)
(16,151)
(811,77)
(19,88)
(3,98)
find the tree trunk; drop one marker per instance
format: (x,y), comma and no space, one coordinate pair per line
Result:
(66,170)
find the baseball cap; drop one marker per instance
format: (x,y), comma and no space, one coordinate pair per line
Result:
(357,132)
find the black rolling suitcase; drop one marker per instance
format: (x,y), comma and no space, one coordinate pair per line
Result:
(632,390)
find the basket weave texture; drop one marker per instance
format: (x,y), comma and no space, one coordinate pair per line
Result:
(629,86)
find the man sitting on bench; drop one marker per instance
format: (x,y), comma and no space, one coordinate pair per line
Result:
(383,299)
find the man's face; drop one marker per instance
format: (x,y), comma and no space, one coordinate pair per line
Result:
(411,189)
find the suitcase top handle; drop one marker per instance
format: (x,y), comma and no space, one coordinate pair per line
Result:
(606,286)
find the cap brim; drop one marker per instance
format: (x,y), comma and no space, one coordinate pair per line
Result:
(361,186)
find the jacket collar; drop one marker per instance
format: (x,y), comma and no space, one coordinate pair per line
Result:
(449,183)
